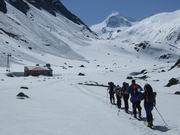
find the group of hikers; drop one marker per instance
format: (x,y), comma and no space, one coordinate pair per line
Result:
(136,94)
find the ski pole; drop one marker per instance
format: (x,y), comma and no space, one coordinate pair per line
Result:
(107,97)
(161,116)
(118,112)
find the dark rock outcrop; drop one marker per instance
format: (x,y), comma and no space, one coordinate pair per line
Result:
(165,56)
(10,34)
(3,6)
(177,64)
(20,5)
(177,93)
(92,83)
(82,66)
(81,74)
(22,95)
(172,81)
(142,46)
(24,87)
(129,77)
(138,73)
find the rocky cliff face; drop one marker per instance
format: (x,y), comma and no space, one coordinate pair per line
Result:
(20,5)
(54,7)
(3,6)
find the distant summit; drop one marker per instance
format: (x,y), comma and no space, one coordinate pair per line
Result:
(113,23)
(117,20)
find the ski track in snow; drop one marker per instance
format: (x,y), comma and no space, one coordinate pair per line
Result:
(138,125)
(89,94)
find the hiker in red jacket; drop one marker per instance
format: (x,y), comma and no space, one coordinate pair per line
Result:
(136,96)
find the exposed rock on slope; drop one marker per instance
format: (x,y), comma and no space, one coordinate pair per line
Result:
(3,6)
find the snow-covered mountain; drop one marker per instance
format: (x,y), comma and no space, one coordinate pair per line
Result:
(157,36)
(163,27)
(33,28)
(114,23)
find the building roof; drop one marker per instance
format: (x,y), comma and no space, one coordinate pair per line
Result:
(38,68)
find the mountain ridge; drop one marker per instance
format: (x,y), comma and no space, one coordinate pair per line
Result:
(54,7)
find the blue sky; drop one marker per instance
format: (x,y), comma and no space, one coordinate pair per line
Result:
(95,11)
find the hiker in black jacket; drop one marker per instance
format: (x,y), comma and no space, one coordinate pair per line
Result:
(149,103)
(125,94)
(111,92)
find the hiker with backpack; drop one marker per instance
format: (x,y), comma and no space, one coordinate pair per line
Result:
(125,94)
(111,87)
(149,103)
(118,91)
(136,96)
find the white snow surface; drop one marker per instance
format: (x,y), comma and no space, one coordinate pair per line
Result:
(57,104)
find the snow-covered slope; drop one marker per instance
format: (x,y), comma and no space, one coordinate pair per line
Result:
(157,36)
(54,7)
(162,27)
(114,23)
(28,36)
